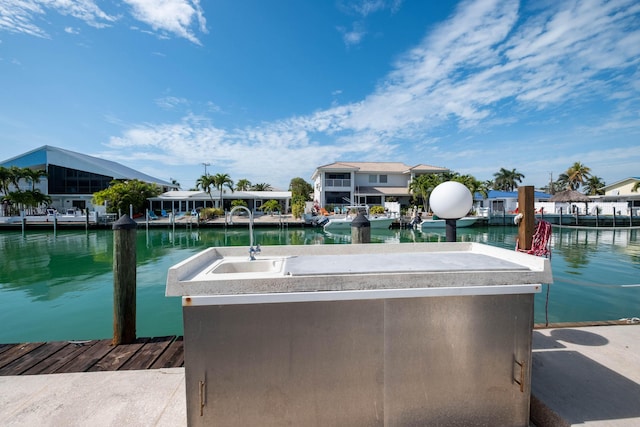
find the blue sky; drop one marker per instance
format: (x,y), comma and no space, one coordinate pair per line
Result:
(269,90)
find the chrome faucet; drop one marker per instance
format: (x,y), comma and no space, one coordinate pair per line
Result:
(252,251)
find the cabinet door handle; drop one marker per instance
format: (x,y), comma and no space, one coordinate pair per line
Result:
(519,373)
(201,393)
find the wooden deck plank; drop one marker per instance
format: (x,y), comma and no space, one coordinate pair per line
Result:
(95,355)
(51,364)
(147,355)
(118,356)
(85,360)
(5,347)
(28,360)
(17,351)
(173,356)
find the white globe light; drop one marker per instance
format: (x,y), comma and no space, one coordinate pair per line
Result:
(451,200)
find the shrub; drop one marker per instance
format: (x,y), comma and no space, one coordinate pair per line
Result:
(376,210)
(210,213)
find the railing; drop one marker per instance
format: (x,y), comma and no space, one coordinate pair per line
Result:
(337,182)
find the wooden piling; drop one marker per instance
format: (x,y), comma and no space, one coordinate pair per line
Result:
(360,229)
(526,227)
(124,281)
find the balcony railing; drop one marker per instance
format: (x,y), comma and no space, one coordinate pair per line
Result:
(337,183)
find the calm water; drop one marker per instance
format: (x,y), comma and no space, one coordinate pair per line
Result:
(60,286)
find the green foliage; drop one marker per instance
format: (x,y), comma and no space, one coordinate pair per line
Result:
(210,213)
(422,186)
(238,202)
(301,189)
(243,185)
(270,206)
(121,194)
(376,210)
(22,198)
(262,186)
(507,180)
(297,208)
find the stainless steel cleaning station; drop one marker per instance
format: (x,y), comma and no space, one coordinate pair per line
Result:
(358,335)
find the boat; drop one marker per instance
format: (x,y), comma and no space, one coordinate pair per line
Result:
(467,221)
(343,223)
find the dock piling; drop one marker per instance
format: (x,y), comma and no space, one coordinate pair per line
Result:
(124,281)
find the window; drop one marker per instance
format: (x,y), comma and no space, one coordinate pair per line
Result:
(373,179)
(63,180)
(383,179)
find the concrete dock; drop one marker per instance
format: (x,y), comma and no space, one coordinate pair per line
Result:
(587,376)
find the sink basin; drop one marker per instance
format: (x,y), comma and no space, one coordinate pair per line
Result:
(233,265)
(316,271)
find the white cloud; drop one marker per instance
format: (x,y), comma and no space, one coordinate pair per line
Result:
(20,16)
(171,102)
(491,64)
(172,16)
(354,36)
(165,17)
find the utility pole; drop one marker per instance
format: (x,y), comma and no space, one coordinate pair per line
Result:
(205,164)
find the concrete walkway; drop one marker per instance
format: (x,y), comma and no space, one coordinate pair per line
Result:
(588,376)
(122,398)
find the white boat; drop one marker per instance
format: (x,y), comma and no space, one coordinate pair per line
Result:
(337,224)
(343,223)
(467,221)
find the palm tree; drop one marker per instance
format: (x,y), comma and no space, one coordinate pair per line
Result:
(577,175)
(205,182)
(243,185)
(220,180)
(636,187)
(5,180)
(270,206)
(594,186)
(16,174)
(33,176)
(262,186)
(507,180)
(422,186)
(474,185)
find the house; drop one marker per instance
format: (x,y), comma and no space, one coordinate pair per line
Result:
(621,194)
(623,188)
(189,201)
(342,184)
(498,202)
(72,177)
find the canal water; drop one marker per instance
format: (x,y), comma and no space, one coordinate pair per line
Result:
(59,286)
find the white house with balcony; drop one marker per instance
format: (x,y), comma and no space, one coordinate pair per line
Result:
(342,184)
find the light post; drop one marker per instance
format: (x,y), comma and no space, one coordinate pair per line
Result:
(451,200)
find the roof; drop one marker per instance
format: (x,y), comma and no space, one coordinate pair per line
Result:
(631,179)
(48,155)
(215,194)
(496,194)
(379,167)
(386,191)
(569,196)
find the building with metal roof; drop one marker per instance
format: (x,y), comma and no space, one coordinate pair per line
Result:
(72,178)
